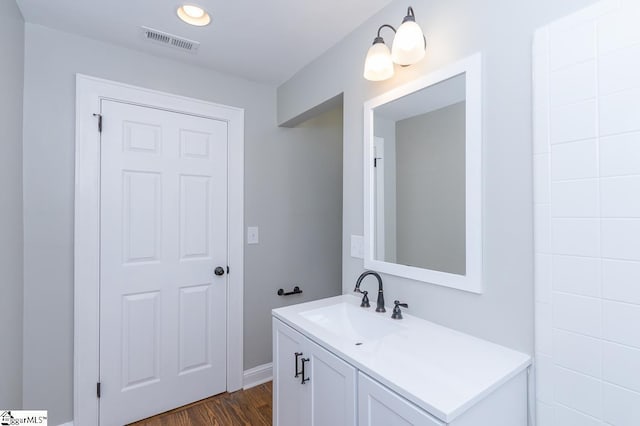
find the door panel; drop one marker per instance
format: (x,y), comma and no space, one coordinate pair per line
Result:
(380,406)
(289,395)
(163,231)
(328,396)
(194,332)
(194,216)
(141,195)
(140,339)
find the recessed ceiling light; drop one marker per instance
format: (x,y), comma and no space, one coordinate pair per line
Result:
(193,15)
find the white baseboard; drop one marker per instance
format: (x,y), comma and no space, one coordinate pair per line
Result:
(257,375)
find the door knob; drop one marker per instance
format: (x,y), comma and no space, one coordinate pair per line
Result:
(219,271)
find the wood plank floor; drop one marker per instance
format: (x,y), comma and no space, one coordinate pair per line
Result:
(243,408)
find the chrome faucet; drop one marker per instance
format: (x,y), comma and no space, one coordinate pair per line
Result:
(380,302)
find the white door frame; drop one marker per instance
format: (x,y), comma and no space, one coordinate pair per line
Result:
(89,93)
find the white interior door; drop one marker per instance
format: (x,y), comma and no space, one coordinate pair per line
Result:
(163,232)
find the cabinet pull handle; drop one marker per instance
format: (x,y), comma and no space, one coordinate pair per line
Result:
(304,361)
(298,354)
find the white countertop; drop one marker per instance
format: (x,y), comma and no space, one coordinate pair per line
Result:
(441,370)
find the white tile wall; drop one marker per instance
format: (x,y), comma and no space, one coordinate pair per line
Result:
(619,70)
(542,234)
(578,237)
(577,275)
(579,391)
(578,314)
(587,217)
(620,196)
(619,112)
(575,160)
(575,121)
(621,366)
(621,323)
(620,281)
(619,29)
(621,406)
(571,44)
(542,276)
(620,155)
(621,237)
(541,183)
(578,352)
(543,334)
(566,416)
(545,414)
(573,84)
(544,378)
(575,198)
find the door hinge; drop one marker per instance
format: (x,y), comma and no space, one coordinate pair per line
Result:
(99,122)
(228,269)
(98,389)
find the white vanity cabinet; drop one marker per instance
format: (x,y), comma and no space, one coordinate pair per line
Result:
(328,394)
(336,364)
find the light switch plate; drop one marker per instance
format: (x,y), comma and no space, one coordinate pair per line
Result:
(253,236)
(357,246)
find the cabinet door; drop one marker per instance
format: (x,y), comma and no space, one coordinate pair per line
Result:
(380,406)
(332,385)
(289,395)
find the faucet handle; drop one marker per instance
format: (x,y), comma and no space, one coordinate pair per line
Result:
(365,299)
(397,313)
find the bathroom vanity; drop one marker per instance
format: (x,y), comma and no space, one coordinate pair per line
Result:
(335,363)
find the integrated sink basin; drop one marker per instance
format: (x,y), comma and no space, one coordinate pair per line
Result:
(352,322)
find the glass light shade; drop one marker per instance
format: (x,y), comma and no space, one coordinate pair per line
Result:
(193,15)
(408,44)
(378,66)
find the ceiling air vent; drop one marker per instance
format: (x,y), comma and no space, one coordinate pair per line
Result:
(171,40)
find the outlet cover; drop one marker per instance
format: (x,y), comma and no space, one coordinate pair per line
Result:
(357,246)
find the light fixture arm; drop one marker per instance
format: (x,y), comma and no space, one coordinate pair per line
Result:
(410,15)
(385,25)
(379,38)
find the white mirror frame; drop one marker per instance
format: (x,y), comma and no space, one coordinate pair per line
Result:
(472,280)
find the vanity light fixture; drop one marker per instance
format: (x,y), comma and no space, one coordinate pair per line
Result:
(193,15)
(409,46)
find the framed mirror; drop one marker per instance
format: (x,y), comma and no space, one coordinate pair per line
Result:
(423,178)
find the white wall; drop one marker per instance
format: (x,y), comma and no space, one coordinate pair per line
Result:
(294,248)
(298,205)
(11,83)
(502,30)
(587,187)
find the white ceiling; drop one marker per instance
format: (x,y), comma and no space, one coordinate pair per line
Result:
(266,41)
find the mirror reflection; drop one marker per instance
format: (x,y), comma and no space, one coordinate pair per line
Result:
(419,178)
